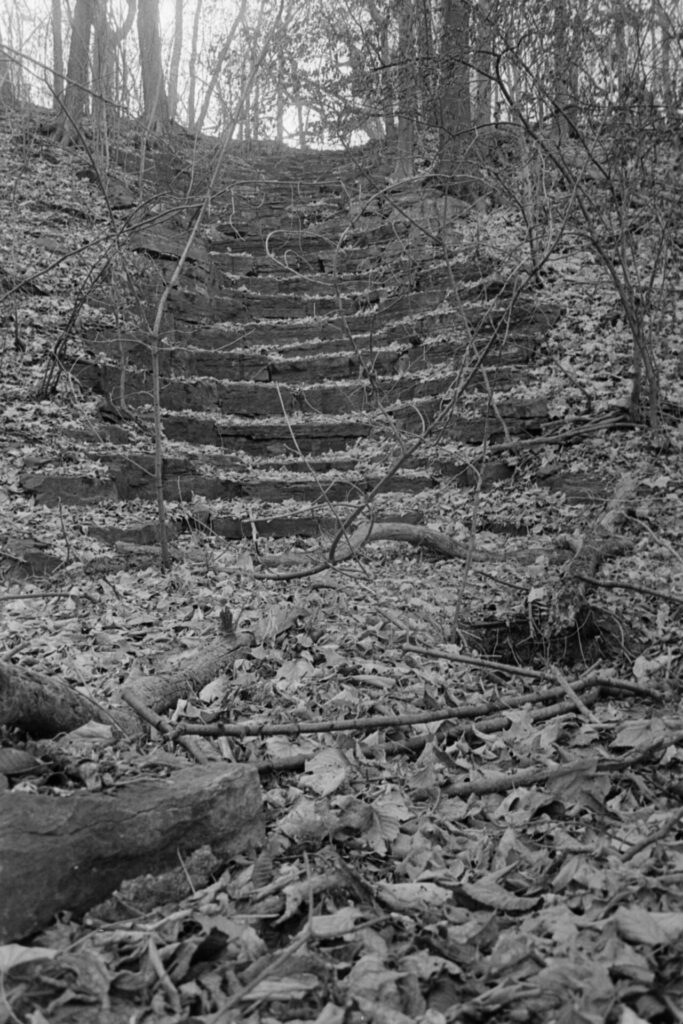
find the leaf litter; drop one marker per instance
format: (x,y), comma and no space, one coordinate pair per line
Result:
(402,877)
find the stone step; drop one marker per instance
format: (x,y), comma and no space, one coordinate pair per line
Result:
(264,523)
(413,275)
(242,306)
(316,436)
(314,365)
(294,283)
(254,399)
(325,238)
(270,398)
(131,478)
(308,324)
(359,313)
(324,258)
(266,437)
(380,327)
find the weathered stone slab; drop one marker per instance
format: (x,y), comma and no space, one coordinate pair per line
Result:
(167,242)
(265,438)
(232,528)
(241,306)
(51,489)
(298,370)
(578,488)
(294,284)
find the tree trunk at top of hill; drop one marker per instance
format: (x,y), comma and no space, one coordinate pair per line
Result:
(405,92)
(153,85)
(58,82)
(454,94)
(75,103)
(174,69)
(106,85)
(8,96)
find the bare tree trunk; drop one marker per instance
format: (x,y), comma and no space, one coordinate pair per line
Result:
(300,124)
(106,41)
(58,83)
(565,71)
(255,118)
(426,93)
(484,64)
(175,60)
(455,119)
(665,73)
(405,90)
(7,92)
(75,105)
(386,76)
(153,86)
(102,60)
(119,68)
(192,71)
(280,100)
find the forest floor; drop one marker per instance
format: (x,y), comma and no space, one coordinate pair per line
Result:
(521,869)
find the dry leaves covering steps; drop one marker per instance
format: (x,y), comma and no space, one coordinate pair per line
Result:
(448,838)
(278,346)
(280,371)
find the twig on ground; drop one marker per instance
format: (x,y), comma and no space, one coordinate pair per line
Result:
(622,585)
(661,833)
(414,744)
(163,976)
(48,593)
(534,776)
(369,723)
(573,696)
(164,727)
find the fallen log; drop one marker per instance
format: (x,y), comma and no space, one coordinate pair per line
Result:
(44,706)
(178,676)
(69,853)
(418,536)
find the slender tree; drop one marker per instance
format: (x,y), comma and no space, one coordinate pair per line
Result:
(153,85)
(455,113)
(192,67)
(405,91)
(75,103)
(7,93)
(58,83)
(176,51)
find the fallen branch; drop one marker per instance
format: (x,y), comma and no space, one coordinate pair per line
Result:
(419,536)
(163,726)
(369,723)
(414,744)
(622,585)
(661,833)
(534,776)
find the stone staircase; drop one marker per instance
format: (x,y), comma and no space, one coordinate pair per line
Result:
(323,319)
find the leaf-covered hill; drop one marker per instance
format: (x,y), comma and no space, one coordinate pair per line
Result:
(449,818)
